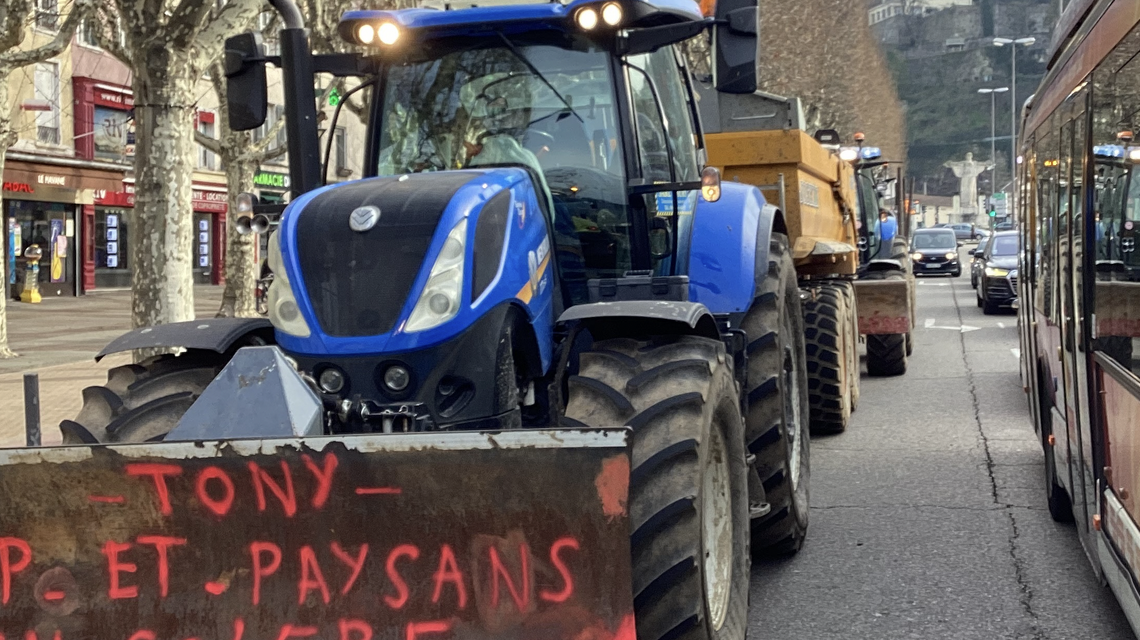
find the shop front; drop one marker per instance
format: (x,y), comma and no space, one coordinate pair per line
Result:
(271,186)
(210,206)
(111,235)
(43,205)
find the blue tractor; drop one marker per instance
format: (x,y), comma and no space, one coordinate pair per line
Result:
(536,244)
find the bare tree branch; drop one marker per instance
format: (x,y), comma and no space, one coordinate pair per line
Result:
(79,11)
(263,144)
(206,141)
(233,18)
(13,18)
(109,33)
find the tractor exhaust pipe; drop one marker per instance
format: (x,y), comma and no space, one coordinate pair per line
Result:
(301,109)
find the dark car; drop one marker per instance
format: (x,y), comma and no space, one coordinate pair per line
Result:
(997,285)
(935,251)
(976,262)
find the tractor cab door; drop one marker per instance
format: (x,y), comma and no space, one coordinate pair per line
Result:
(665,168)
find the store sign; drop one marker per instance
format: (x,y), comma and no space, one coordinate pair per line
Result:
(124,198)
(114,133)
(50,179)
(18,187)
(211,201)
(271,180)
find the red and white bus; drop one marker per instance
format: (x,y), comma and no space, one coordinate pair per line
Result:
(1079,283)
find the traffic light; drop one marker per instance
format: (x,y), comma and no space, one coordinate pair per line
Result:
(993,213)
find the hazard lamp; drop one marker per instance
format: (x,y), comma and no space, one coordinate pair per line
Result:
(710,184)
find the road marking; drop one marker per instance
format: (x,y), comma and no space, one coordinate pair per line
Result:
(1016,353)
(924,283)
(1001,325)
(962,329)
(929,323)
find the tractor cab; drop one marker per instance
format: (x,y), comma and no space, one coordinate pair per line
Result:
(589,98)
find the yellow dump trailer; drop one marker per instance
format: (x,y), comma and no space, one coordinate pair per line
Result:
(830,217)
(813,188)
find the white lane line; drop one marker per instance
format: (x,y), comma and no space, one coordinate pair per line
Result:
(929,323)
(1016,353)
(1001,325)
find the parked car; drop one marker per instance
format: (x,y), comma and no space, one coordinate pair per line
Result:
(976,262)
(997,285)
(935,251)
(967,231)
(1005,225)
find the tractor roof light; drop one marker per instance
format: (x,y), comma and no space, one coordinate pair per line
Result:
(849,154)
(612,14)
(366,33)
(388,33)
(587,18)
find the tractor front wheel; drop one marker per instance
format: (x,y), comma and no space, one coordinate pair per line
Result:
(688,493)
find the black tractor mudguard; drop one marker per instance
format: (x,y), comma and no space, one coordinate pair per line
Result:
(636,317)
(211,334)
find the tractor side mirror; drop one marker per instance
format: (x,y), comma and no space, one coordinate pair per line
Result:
(247,98)
(736,43)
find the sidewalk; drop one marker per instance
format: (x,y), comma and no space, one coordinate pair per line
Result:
(58,339)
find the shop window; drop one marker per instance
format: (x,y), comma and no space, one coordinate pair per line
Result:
(47,14)
(47,90)
(112,269)
(206,158)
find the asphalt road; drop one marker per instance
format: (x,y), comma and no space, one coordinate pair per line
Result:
(928,516)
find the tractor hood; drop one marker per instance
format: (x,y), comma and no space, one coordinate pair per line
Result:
(365,261)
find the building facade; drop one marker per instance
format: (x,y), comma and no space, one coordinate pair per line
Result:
(68,182)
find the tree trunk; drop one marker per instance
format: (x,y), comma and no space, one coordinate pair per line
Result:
(241,270)
(163,290)
(6,135)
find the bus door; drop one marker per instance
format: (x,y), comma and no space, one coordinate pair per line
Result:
(1074,333)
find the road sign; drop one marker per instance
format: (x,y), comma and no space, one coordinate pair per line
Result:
(999,203)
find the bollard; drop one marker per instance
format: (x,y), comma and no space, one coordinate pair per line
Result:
(32,409)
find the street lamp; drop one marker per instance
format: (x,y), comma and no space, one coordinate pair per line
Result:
(993,131)
(1001,42)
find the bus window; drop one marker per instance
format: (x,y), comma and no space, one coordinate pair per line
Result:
(1115,225)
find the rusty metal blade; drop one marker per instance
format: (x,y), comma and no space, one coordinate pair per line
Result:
(440,535)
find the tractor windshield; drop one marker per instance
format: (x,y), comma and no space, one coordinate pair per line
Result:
(547,108)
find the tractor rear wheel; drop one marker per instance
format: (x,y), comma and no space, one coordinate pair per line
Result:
(143,402)
(825,337)
(853,341)
(688,494)
(776,425)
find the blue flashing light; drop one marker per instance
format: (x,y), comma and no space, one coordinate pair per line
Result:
(871,153)
(1108,151)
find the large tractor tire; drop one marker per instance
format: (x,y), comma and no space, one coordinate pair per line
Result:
(853,340)
(776,426)
(142,402)
(688,495)
(825,341)
(887,353)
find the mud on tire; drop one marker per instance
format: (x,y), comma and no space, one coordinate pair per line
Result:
(777,418)
(142,402)
(679,397)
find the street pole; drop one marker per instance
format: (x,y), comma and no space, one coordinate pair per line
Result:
(1013,105)
(993,134)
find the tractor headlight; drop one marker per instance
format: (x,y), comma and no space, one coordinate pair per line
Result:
(284,312)
(587,18)
(995,272)
(439,301)
(611,13)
